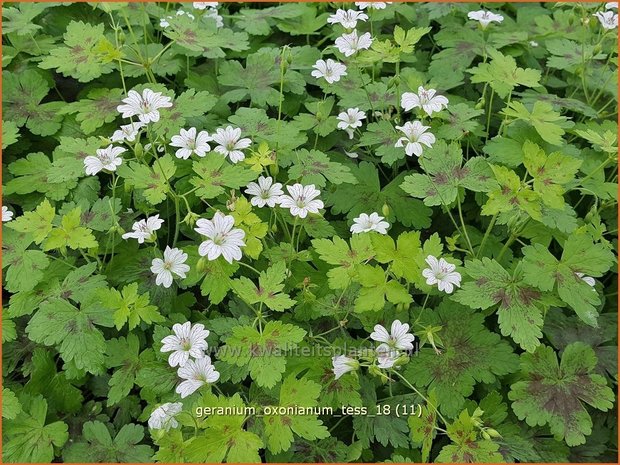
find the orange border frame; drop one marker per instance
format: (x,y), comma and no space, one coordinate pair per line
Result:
(301,1)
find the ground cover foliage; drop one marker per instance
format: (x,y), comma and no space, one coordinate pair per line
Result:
(247,205)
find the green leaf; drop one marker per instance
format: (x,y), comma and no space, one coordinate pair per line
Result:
(553,394)
(122,353)
(51,384)
(314,167)
(280,429)
(71,329)
(215,174)
(368,196)
(256,81)
(377,288)
(423,426)
(30,439)
(445,175)
(548,123)
(460,121)
(26,268)
(521,306)
(580,255)
(466,446)
(262,352)
(550,173)
(337,252)
(70,234)
(269,290)
(382,136)
(97,445)
(11,406)
(20,19)
(512,195)
(470,354)
(186,107)
(401,255)
(224,438)
(84,55)
(130,307)
(22,94)
(503,75)
(152,182)
(38,223)
(36,173)
(10,133)
(97,109)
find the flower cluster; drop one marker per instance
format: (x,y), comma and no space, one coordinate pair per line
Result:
(390,353)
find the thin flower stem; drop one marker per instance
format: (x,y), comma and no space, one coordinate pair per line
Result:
(410,386)
(177,211)
(471,249)
(486,235)
(489,110)
(250,267)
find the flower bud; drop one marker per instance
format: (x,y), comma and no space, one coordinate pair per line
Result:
(385,209)
(493,433)
(201,266)
(274,169)
(138,150)
(191,218)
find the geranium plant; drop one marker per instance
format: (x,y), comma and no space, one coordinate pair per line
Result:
(309,232)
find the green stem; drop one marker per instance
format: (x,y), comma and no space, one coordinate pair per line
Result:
(428,402)
(486,235)
(471,249)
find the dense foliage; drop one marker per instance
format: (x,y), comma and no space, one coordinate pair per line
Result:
(405,212)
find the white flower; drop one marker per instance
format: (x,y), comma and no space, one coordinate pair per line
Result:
(608,19)
(189,142)
(351,119)
(265,192)
(533,43)
(611,5)
(219,20)
(441,273)
(386,356)
(173,262)
(351,154)
(196,374)
(146,106)
(127,132)
(301,200)
(485,17)
(7,215)
(366,223)
(163,22)
(203,5)
(425,99)
(181,13)
(163,416)
(106,159)
(587,279)
(331,70)
(222,238)
(372,5)
(416,135)
(230,143)
(343,364)
(347,18)
(352,43)
(144,229)
(186,341)
(399,336)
